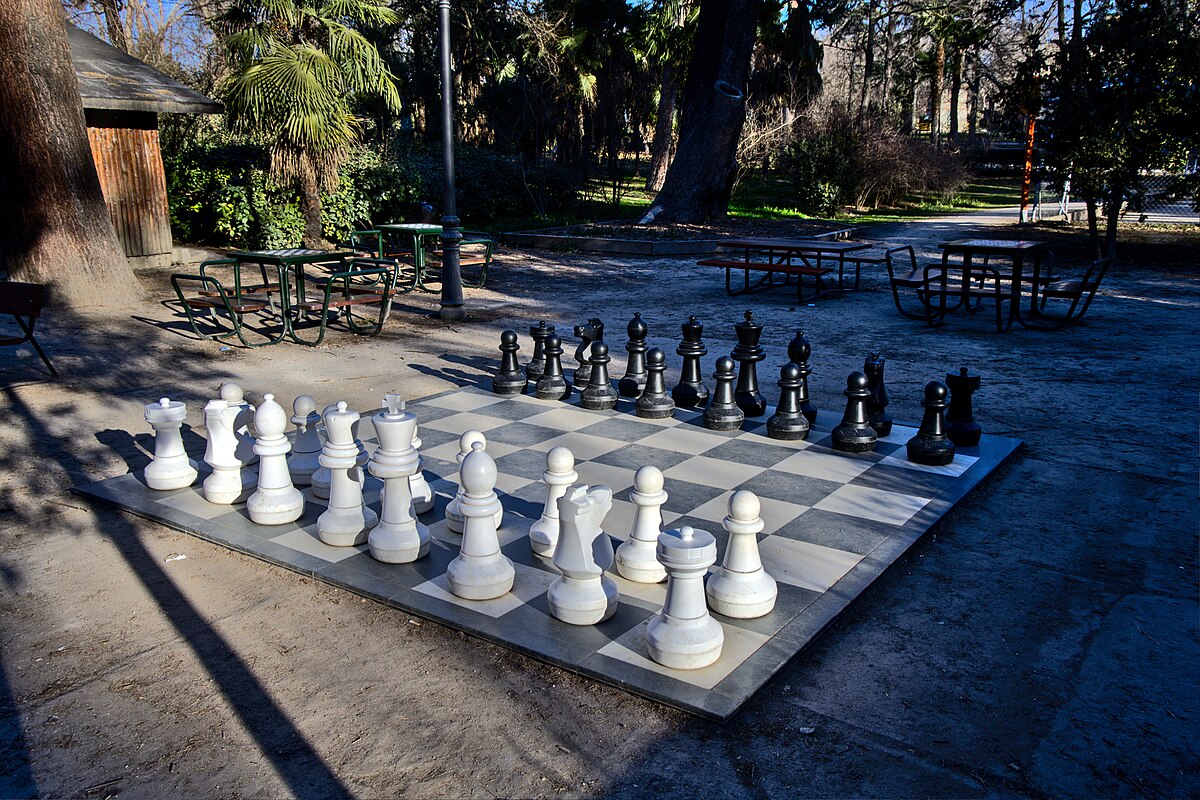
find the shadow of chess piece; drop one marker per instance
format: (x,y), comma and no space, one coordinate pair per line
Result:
(748,352)
(509,379)
(799,351)
(961,426)
(931,446)
(877,415)
(788,422)
(635,369)
(723,413)
(553,384)
(855,434)
(537,362)
(691,392)
(599,394)
(655,403)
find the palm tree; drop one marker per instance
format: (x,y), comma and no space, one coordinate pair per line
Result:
(297,65)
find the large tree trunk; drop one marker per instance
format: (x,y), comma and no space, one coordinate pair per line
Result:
(956,80)
(54,226)
(310,204)
(935,91)
(868,61)
(664,130)
(700,180)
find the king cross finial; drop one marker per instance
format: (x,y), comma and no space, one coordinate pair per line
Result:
(394,403)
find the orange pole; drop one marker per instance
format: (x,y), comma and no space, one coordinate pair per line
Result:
(1028,176)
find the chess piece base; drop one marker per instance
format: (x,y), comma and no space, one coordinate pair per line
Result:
(729,419)
(752,404)
(345,527)
(742,596)
(276,507)
(853,439)
(639,564)
(684,644)
(578,602)
(631,387)
(226,487)
(690,395)
(398,544)
(164,475)
(930,452)
(788,429)
(513,385)
(552,389)
(655,409)
(472,580)
(964,434)
(598,400)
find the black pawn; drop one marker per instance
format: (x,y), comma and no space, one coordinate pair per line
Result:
(799,351)
(591,331)
(691,392)
(509,379)
(877,414)
(537,363)
(723,413)
(961,426)
(635,369)
(931,446)
(655,403)
(748,352)
(553,385)
(855,434)
(788,422)
(599,394)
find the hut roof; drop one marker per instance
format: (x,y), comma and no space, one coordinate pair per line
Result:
(112,79)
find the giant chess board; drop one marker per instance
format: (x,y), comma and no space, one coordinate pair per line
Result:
(834,523)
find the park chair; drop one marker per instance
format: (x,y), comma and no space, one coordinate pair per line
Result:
(903,273)
(475,250)
(1077,293)
(23,302)
(228,307)
(368,244)
(366,284)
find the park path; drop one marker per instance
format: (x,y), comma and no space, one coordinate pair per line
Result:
(925,234)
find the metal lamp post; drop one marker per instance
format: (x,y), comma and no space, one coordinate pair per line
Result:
(452,293)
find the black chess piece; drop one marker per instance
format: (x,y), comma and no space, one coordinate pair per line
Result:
(788,422)
(591,331)
(691,392)
(509,379)
(537,363)
(855,434)
(655,403)
(877,415)
(599,394)
(553,384)
(931,446)
(799,351)
(961,426)
(723,413)
(748,352)
(635,369)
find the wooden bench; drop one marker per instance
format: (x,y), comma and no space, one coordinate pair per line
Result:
(23,302)
(768,280)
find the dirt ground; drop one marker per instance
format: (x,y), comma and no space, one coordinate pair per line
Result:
(1041,641)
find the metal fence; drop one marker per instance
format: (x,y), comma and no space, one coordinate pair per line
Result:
(1159,200)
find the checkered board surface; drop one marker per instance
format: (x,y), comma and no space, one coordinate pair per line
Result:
(834,523)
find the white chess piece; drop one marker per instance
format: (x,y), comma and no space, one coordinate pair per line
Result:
(583,594)
(306,450)
(480,571)
(232,394)
(398,538)
(455,519)
(348,518)
(684,635)
(637,558)
(741,588)
(422,492)
(227,483)
(170,468)
(319,480)
(276,501)
(559,475)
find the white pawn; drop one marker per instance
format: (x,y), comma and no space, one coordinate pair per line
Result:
(170,468)
(455,520)
(348,518)
(303,460)
(276,501)
(560,473)
(684,635)
(226,484)
(232,394)
(422,492)
(398,538)
(637,557)
(741,588)
(320,477)
(583,595)
(480,571)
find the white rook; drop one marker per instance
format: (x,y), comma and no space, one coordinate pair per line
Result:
(170,468)
(684,635)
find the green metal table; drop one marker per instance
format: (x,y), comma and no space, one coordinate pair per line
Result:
(419,233)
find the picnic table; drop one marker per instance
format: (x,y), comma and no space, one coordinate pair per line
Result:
(977,281)
(788,257)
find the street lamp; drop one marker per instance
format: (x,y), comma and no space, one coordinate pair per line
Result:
(452,294)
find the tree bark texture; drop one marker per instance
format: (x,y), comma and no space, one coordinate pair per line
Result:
(664,130)
(956,80)
(54,226)
(700,180)
(936,80)
(868,61)
(310,204)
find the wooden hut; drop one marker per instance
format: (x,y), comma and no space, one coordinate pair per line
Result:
(122,98)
